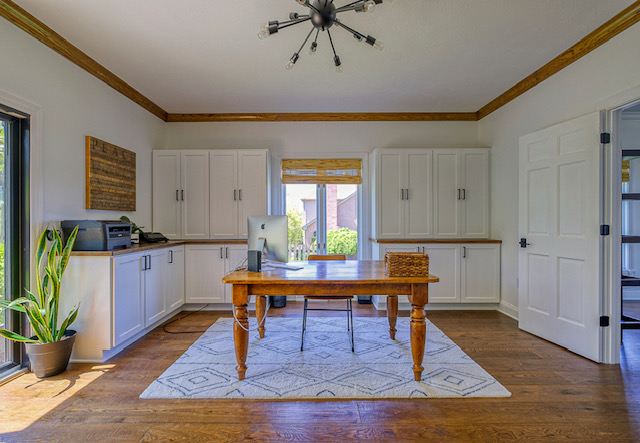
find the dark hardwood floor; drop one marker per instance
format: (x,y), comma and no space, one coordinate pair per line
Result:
(555,396)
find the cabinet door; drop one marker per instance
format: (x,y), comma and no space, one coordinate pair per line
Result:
(166,193)
(418,194)
(128,298)
(175,276)
(252,187)
(390,184)
(444,262)
(204,269)
(195,201)
(475,196)
(155,286)
(223,194)
(480,265)
(447,193)
(235,255)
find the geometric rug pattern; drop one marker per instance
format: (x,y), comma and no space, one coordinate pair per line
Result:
(276,369)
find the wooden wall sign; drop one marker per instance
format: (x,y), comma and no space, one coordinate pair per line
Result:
(111,176)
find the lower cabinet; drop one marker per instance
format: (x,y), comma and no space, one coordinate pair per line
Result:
(468,272)
(147,286)
(205,265)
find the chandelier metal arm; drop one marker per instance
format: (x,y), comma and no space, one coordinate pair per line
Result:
(294,23)
(353,31)
(306,39)
(350,7)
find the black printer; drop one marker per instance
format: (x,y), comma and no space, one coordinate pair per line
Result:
(98,235)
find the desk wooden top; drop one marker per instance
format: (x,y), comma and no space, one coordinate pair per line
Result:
(325,272)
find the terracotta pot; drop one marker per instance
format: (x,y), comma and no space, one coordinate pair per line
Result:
(49,359)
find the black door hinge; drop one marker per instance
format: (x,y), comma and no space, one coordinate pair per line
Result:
(604,229)
(605,138)
(604,321)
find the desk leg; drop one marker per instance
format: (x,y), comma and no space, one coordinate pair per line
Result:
(392,314)
(240,335)
(418,299)
(261,307)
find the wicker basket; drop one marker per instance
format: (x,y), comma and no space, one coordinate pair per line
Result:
(406,264)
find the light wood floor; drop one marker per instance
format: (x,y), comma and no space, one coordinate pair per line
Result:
(556,396)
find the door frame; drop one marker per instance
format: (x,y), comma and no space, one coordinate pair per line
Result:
(364,193)
(611,214)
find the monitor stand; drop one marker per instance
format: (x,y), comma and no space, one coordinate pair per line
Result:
(271,264)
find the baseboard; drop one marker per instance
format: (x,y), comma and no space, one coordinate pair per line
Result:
(508,309)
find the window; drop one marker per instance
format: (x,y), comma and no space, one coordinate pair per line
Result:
(14,226)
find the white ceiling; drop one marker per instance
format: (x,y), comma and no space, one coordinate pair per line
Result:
(204,56)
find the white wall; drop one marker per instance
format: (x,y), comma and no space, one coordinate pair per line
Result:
(575,91)
(74,104)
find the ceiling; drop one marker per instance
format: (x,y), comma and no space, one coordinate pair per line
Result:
(204,56)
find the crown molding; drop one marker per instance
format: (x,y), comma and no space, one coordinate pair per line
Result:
(326,117)
(625,19)
(48,37)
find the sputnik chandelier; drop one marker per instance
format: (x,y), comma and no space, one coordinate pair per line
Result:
(323,14)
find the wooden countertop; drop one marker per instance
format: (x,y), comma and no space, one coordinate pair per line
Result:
(139,247)
(437,240)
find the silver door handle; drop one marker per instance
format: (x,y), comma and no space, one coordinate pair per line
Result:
(239,194)
(423,250)
(464,194)
(464,252)
(458,193)
(170,256)
(226,252)
(407,193)
(177,199)
(401,194)
(221,252)
(183,194)
(149,261)
(234,194)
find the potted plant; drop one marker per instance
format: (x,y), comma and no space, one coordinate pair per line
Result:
(136,231)
(50,348)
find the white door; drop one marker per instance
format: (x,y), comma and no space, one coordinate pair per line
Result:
(203,272)
(559,272)
(175,274)
(389,194)
(418,194)
(166,193)
(223,193)
(252,187)
(155,286)
(474,209)
(194,194)
(447,193)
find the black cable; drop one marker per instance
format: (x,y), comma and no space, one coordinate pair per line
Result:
(164,327)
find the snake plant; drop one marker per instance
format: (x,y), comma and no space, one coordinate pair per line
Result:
(42,309)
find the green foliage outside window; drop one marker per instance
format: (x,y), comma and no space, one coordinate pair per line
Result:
(342,241)
(296,234)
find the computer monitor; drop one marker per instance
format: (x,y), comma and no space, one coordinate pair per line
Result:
(270,235)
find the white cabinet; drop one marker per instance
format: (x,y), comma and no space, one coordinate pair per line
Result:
(155,279)
(461,193)
(468,272)
(238,188)
(175,275)
(181,194)
(205,265)
(403,193)
(128,297)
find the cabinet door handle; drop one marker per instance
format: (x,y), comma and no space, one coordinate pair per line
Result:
(464,194)
(170,256)
(182,195)
(144,262)
(423,250)
(177,199)
(418,248)
(240,194)
(407,193)
(464,252)
(220,252)
(234,194)
(149,261)
(458,193)
(226,252)
(401,194)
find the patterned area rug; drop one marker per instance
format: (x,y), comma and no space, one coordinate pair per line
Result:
(379,368)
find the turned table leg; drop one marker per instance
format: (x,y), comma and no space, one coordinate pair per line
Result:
(418,299)
(261,305)
(241,331)
(392,314)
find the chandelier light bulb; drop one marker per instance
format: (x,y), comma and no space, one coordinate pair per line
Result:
(339,69)
(290,65)
(313,49)
(263,34)
(369,6)
(378,45)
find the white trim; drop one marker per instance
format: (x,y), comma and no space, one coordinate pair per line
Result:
(508,309)
(364,194)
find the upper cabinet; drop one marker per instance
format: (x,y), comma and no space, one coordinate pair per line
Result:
(181,194)
(238,188)
(403,193)
(461,193)
(431,193)
(208,194)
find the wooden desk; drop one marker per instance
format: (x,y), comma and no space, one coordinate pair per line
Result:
(329,277)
